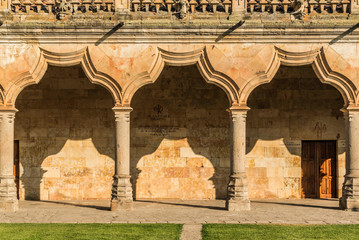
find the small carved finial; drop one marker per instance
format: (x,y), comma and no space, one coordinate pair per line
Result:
(181,8)
(300,9)
(63,8)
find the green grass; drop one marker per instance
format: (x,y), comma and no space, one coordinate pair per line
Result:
(24,231)
(269,232)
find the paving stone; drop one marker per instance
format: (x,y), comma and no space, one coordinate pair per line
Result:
(191,232)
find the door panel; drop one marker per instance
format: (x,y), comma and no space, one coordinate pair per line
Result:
(318,169)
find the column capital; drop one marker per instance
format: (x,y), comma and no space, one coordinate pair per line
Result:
(8,109)
(120,109)
(236,109)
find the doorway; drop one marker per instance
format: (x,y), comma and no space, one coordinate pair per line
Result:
(318,169)
(17,166)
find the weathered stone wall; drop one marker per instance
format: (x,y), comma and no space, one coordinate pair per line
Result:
(295,106)
(66,130)
(180,137)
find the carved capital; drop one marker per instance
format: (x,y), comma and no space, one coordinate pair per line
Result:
(239,113)
(122,113)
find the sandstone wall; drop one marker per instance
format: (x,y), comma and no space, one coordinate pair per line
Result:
(66,130)
(180,135)
(180,138)
(295,106)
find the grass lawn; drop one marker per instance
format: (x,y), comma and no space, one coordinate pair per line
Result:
(269,232)
(64,231)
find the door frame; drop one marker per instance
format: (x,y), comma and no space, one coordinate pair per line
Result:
(334,168)
(17,167)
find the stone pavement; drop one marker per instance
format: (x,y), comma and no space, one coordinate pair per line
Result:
(298,211)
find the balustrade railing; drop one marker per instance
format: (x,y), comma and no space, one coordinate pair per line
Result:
(52,6)
(176,6)
(288,6)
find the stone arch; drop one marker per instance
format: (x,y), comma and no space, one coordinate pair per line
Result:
(198,57)
(46,58)
(1,95)
(316,58)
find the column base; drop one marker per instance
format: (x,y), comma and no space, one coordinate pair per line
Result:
(118,205)
(9,206)
(350,191)
(237,193)
(121,197)
(349,204)
(238,205)
(8,198)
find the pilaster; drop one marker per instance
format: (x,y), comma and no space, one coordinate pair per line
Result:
(239,7)
(8,196)
(350,198)
(121,197)
(354,7)
(237,192)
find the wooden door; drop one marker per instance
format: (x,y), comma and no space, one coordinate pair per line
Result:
(318,169)
(17,166)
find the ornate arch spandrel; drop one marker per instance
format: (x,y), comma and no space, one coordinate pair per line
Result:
(316,58)
(45,58)
(198,57)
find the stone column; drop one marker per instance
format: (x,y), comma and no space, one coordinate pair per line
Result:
(350,198)
(237,192)
(121,198)
(239,7)
(8,196)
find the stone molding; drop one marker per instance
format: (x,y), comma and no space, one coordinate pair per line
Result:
(61,59)
(316,58)
(198,57)
(237,84)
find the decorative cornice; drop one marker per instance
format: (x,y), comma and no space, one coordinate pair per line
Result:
(168,32)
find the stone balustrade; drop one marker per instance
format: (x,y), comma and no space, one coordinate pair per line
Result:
(170,6)
(52,6)
(181,7)
(288,6)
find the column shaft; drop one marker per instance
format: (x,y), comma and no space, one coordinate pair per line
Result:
(8,196)
(350,199)
(237,193)
(121,198)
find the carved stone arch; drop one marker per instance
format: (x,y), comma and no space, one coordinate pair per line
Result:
(1,95)
(316,58)
(46,58)
(198,57)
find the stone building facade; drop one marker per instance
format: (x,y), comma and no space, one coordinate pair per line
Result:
(125,100)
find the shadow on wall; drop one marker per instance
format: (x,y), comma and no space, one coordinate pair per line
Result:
(295,106)
(65,126)
(180,138)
